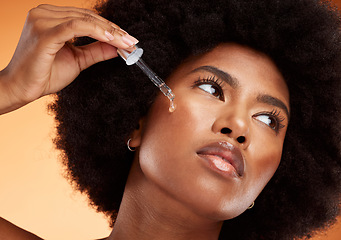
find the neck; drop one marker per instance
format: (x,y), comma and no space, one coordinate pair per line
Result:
(147,212)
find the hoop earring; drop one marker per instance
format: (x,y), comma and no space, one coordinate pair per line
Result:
(251,206)
(132,149)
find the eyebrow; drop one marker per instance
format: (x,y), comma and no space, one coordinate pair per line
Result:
(233,82)
(264,98)
(220,74)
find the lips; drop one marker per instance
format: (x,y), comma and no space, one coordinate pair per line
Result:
(223,155)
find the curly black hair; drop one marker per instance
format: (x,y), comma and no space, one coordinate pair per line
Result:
(98,111)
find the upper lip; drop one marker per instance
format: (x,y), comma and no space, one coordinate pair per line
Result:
(227,152)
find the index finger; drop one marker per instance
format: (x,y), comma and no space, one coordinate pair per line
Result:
(83,11)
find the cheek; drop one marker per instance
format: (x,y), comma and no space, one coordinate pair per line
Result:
(266,156)
(168,156)
(168,138)
(172,130)
(267,167)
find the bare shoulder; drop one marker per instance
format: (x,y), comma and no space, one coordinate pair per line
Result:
(9,231)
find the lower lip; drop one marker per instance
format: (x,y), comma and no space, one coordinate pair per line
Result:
(219,165)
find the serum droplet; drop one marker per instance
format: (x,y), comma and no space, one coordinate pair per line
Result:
(172,106)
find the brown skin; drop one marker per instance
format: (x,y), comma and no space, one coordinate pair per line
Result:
(172,193)
(44,62)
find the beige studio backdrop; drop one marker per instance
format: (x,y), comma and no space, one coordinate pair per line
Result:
(33,192)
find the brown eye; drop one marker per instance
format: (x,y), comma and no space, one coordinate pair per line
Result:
(211,89)
(268,120)
(211,85)
(272,119)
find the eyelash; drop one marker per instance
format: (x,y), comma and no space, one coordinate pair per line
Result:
(214,81)
(277,117)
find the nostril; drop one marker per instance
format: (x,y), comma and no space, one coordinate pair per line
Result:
(225,130)
(241,139)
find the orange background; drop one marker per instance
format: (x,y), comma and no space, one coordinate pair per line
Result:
(33,193)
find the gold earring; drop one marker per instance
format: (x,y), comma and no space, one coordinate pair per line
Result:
(132,149)
(251,206)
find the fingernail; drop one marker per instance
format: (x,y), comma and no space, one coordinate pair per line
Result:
(129,40)
(109,35)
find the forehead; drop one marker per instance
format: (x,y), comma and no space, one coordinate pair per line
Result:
(253,71)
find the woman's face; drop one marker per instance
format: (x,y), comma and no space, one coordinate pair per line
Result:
(223,143)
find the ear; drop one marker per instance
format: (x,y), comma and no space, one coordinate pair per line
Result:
(136,135)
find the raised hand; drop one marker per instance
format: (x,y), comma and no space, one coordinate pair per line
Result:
(45,61)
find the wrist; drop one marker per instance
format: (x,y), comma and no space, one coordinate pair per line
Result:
(8,99)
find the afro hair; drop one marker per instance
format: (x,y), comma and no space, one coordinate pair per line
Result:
(98,111)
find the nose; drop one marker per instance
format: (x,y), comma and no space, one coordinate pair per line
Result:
(234,126)
(226,130)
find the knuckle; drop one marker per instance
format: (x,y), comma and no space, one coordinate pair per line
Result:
(32,14)
(34,20)
(71,24)
(113,31)
(116,31)
(36,12)
(111,23)
(88,18)
(44,5)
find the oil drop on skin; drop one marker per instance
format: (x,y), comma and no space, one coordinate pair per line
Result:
(172,106)
(135,57)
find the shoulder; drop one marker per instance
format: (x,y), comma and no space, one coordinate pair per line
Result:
(9,231)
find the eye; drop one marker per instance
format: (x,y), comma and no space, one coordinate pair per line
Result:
(268,120)
(210,89)
(211,86)
(273,119)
